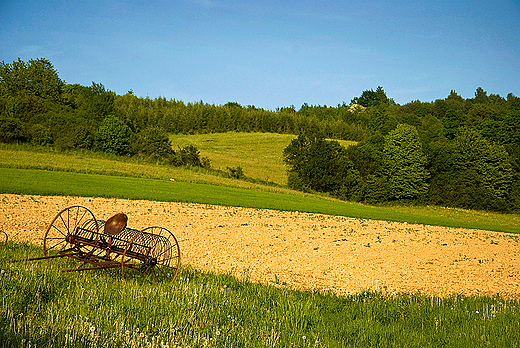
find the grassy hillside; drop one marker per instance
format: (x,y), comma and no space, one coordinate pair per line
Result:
(96,163)
(258,154)
(41,306)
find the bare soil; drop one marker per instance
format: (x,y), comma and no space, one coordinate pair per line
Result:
(301,250)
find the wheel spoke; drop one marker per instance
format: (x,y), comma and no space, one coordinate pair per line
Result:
(57,229)
(64,224)
(81,218)
(160,270)
(57,244)
(165,251)
(168,259)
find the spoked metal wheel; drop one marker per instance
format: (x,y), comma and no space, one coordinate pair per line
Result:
(3,237)
(153,254)
(69,222)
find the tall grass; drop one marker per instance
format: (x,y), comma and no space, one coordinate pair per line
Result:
(42,307)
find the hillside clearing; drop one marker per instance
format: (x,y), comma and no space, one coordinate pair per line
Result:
(260,155)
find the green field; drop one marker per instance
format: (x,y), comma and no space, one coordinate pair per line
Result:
(43,307)
(40,182)
(26,171)
(258,154)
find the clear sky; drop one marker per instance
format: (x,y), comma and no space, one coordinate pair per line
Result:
(272,53)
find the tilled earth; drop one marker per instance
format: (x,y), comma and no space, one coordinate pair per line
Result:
(301,250)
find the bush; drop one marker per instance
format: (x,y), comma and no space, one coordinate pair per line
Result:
(113,136)
(152,143)
(236,173)
(41,135)
(11,130)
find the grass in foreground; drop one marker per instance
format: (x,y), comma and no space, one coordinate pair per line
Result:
(43,307)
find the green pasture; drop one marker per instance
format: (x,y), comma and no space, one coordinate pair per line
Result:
(43,307)
(260,155)
(41,182)
(30,170)
(24,157)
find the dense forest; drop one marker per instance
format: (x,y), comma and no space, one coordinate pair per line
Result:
(453,152)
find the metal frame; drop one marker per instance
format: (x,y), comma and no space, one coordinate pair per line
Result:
(152,253)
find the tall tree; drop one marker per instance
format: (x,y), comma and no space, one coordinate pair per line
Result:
(320,165)
(372,98)
(404,163)
(37,77)
(472,172)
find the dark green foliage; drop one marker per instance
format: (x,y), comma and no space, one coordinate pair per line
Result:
(190,156)
(319,165)
(452,120)
(472,172)
(430,130)
(235,173)
(152,143)
(36,77)
(11,130)
(367,155)
(371,98)
(40,135)
(456,152)
(113,136)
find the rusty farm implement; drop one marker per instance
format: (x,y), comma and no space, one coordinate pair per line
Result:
(152,253)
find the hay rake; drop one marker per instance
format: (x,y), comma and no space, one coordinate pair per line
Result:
(152,253)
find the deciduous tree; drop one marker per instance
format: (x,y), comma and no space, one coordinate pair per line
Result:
(404,163)
(113,136)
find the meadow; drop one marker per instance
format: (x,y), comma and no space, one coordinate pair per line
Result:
(258,154)
(28,170)
(43,307)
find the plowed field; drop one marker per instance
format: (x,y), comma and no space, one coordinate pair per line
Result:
(301,250)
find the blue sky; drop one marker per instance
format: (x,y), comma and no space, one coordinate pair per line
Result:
(272,53)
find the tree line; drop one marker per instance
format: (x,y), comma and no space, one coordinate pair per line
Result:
(455,152)
(452,152)
(37,107)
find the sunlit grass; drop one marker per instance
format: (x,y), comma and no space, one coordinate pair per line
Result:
(43,307)
(260,155)
(96,163)
(38,182)
(463,215)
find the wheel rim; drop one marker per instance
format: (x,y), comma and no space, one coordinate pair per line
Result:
(64,225)
(163,251)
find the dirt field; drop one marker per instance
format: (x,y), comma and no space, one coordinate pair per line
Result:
(304,251)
